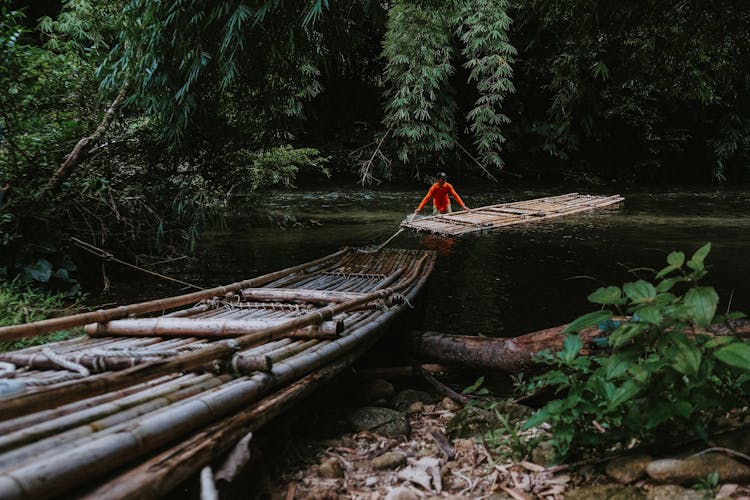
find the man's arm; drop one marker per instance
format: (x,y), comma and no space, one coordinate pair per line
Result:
(453,193)
(430,192)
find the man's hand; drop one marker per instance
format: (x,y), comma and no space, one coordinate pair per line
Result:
(466,208)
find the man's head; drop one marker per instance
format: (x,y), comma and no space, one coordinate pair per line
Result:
(442,177)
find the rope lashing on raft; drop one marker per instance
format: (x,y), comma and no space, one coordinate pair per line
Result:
(7,370)
(127,352)
(65,363)
(78,372)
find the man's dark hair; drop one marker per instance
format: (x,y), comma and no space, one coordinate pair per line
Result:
(442,175)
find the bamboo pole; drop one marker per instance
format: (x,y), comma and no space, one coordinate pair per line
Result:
(57,447)
(15,332)
(43,416)
(296,295)
(210,328)
(61,423)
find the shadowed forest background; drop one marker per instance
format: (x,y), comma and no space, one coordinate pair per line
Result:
(188,107)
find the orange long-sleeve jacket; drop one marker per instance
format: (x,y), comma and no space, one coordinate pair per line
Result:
(439,195)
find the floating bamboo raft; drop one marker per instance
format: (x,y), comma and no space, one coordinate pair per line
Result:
(140,404)
(493,217)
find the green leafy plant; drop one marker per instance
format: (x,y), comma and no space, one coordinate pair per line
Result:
(664,377)
(23,304)
(477,388)
(709,484)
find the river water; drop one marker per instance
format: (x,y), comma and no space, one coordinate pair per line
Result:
(503,284)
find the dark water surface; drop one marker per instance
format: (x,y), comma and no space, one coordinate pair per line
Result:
(505,283)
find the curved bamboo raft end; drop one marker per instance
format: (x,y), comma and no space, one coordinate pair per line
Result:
(142,402)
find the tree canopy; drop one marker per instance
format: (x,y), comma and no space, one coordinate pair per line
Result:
(240,95)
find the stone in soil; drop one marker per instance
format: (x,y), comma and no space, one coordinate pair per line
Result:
(693,469)
(543,453)
(389,460)
(472,421)
(416,407)
(629,468)
(373,390)
(451,405)
(379,420)
(331,468)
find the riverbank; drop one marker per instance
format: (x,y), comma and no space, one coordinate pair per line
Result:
(412,445)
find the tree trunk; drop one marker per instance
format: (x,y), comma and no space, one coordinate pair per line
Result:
(515,355)
(506,355)
(84,145)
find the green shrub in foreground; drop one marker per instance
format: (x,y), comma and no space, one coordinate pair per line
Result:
(660,380)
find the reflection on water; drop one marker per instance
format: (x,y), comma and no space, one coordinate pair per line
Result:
(501,284)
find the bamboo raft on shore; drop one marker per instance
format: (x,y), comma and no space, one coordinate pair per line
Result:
(492,217)
(140,404)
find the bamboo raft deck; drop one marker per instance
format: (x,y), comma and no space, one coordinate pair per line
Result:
(140,404)
(492,217)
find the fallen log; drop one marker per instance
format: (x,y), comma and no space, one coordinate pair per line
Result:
(513,355)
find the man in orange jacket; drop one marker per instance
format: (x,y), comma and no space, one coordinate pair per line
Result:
(439,193)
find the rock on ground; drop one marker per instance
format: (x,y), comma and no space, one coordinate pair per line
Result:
(379,420)
(628,468)
(692,469)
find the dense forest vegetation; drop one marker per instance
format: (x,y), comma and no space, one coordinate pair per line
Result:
(135,121)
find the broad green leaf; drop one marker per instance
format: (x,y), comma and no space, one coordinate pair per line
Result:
(685,356)
(62,274)
(701,302)
(639,373)
(571,347)
(639,291)
(626,332)
(649,314)
(608,295)
(737,354)
(617,365)
(542,415)
(40,271)
(587,320)
(659,413)
(624,393)
(683,408)
(667,284)
(719,341)
(663,299)
(676,259)
(666,271)
(696,261)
